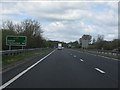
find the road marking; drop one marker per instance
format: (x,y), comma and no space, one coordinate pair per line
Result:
(108,57)
(99,55)
(23,72)
(81,60)
(91,54)
(74,55)
(105,57)
(100,70)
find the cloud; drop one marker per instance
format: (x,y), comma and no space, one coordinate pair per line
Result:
(68,21)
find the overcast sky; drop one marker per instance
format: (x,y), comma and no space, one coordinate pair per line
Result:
(66,21)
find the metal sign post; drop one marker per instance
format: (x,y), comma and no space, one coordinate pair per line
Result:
(9,47)
(22,47)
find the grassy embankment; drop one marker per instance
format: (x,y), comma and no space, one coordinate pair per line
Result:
(6,60)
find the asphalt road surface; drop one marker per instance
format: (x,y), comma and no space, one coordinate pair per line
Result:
(65,68)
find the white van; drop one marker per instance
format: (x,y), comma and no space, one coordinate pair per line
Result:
(59,46)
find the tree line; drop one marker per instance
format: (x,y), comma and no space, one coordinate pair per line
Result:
(29,28)
(33,31)
(100,43)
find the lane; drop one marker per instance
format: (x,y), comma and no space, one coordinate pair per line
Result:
(108,65)
(6,76)
(23,72)
(63,70)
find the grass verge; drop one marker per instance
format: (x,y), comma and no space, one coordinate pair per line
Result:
(6,60)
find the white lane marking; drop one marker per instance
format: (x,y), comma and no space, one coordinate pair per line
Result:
(70,54)
(23,72)
(74,55)
(100,70)
(81,60)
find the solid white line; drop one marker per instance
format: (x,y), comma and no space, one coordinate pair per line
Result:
(100,70)
(23,72)
(105,57)
(109,58)
(99,56)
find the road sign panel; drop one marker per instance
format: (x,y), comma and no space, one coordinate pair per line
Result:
(16,40)
(85,43)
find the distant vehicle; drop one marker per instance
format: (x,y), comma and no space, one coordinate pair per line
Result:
(59,46)
(69,46)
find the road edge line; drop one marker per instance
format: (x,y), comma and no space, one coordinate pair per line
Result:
(23,72)
(98,55)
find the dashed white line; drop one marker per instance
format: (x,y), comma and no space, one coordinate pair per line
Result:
(99,70)
(74,55)
(81,60)
(23,72)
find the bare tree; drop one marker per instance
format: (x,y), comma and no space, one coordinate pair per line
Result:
(100,38)
(31,27)
(8,25)
(94,40)
(18,28)
(87,37)
(80,41)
